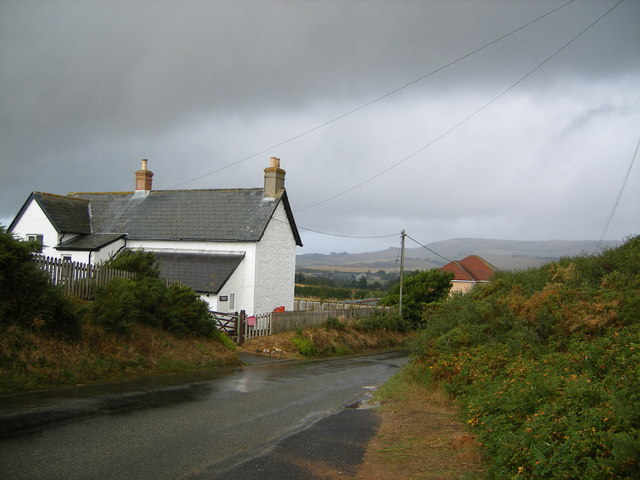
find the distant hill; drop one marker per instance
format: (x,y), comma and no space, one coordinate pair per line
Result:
(504,254)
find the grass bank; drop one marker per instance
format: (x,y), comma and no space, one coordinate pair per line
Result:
(334,339)
(30,360)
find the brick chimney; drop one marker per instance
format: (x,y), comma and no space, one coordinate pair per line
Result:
(144,178)
(273,179)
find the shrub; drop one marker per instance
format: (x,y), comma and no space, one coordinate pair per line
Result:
(140,262)
(546,365)
(151,301)
(382,320)
(334,324)
(27,299)
(184,313)
(304,345)
(117,306)
(177,309)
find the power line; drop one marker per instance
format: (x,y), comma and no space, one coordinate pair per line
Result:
(615,205)
(375,100)
(347,236)
(337,234)
(466,119)
(432,251)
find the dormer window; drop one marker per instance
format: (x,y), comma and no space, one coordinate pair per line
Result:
(38,240)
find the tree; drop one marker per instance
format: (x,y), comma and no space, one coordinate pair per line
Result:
(420,289)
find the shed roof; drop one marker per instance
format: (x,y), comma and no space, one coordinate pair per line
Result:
(91,242)
(202,272)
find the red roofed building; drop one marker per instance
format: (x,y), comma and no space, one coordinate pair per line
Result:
(468,272)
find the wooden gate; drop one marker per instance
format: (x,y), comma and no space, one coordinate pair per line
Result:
(233,324)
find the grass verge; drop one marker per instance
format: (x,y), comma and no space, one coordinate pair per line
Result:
(322,342)
(421,435)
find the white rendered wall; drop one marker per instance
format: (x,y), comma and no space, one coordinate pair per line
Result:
(275,265)
(241,282)
(108,251)
(94,258)
(35,222)
(211,299)
(243,297)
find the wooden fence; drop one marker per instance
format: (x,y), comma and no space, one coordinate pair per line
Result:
(81,279)
(314,305)
(277,322)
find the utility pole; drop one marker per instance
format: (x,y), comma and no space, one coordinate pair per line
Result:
(402,234)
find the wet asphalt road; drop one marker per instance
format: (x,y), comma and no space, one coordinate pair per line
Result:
(285,420)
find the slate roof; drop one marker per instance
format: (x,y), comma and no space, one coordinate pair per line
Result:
(66,214)
(203,273)
(91,242)
(233,215)
(471,268)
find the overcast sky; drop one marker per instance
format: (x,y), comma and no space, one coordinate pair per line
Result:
(522,140)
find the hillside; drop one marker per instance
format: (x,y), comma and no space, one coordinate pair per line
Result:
(504,254)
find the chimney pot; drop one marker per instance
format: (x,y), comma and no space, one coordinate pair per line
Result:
(144,178)
(273,179)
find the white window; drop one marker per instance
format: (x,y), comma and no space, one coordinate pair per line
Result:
(232,302)
(38,239)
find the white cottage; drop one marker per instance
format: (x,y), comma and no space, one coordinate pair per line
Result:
(235,247)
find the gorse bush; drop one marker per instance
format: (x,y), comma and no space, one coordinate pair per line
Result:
(146,299)
(140,262)
(546,364)
(116,307)
(185,313)
(177,309)
(27,299)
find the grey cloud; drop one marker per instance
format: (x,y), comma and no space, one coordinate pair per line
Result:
(90,87)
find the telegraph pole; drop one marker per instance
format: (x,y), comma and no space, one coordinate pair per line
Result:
(402,234)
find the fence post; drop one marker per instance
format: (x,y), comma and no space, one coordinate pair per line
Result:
(242,321)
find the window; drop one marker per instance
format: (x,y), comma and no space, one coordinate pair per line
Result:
(232,302)
(66,258)
(38,239)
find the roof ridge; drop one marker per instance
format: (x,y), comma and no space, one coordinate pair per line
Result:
(99,193)
(488,264)
(55,195)
(171,191)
